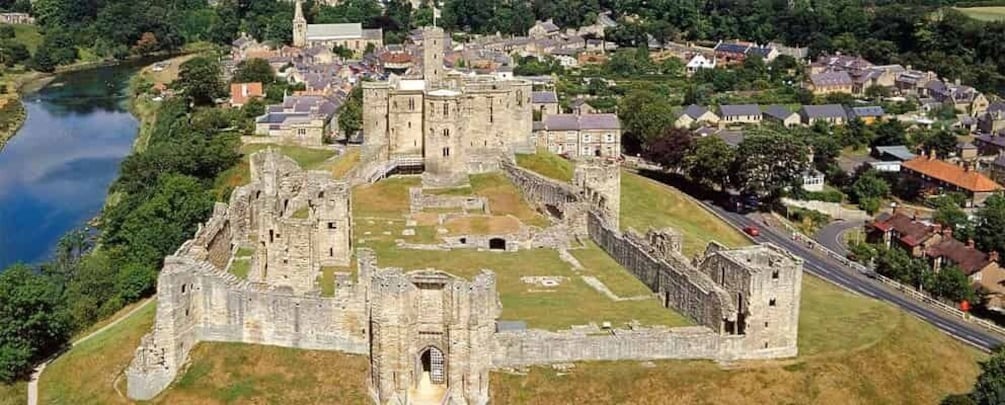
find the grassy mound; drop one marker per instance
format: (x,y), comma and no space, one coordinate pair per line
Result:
(984,13)
(547,164)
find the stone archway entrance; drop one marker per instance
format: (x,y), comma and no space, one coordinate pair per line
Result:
(432,363)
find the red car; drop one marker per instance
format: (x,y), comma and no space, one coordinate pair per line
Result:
(752,231)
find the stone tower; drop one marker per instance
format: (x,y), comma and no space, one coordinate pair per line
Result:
(299,26)
(432,56)
(600,185)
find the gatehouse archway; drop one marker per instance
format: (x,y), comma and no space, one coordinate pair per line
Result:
(432,365)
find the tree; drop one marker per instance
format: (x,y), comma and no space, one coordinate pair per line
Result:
(768,161)
(7,32)
(949,214)
(952,284)
(869,186)
(254,70)
(200,79)
(710,161)
(33,321)
(990,386)
(990,222)
(670,148)
(942,142)
(350,116)
(644,115)
(889,133)
(13,53)
(163,221)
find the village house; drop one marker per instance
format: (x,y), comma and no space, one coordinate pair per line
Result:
(781,115)
(939,177)
(241,93)
(303,120)
(544,29)
(996,169)
(979,267)
(990,144)
(833,114)
(914,81)
(830,82)
(696,115)
(592,135)
(899,230)
(962,98)
(813,180)
(737,114)
(580,106)
(545,103)
(16,18)
(868,114)
(992,121)
(891,157)
(699,62)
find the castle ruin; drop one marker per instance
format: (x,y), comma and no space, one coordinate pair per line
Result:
(430,335)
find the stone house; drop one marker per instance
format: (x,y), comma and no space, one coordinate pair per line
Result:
(544,29)
(962,98)
(914,81)
(830,82)
(992,121)
(591,135)
(699,62)
(696,115)
(350,36)
(731,53)
(981,268)
(833,114)
(996,169)
(781,115)
(580,106)
(303,120)
(16,18)
(938,177)
(545,103)
(891,157)
(737,114)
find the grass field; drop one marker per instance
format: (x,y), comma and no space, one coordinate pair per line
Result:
(647,204)
(228,373)
(984,13)
(547,164)
(14,394)
(87,373)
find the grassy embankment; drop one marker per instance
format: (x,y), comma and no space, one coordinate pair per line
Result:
(852,350)
(12,80)
(984,13)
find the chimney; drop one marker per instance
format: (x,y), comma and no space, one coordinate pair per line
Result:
(993,256)
(893,208)
(957,81)
(970,243)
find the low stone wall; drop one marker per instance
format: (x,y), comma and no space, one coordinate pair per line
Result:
(419,201)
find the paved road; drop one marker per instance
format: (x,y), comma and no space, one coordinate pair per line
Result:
(830,235)
(852,280)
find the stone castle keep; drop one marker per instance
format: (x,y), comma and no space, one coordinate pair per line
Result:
(427,331)
(451,125)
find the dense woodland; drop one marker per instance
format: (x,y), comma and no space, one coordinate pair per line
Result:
(167,189)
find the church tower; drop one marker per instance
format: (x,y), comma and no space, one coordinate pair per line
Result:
(299,26)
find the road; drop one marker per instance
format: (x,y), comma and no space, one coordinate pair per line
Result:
(830,235)
(830,270)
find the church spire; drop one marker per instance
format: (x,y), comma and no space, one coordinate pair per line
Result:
(299,26)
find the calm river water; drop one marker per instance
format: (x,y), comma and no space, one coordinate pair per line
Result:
(55,173)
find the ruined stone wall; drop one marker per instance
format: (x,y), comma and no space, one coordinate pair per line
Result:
(559,200)
(679,285)
(599,183)
(537,347)
(419,201)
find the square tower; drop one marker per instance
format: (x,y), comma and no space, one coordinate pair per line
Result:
(432,56)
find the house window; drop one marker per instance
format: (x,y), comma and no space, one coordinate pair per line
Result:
(446,152)
(608,137)
(586,137)
(302,131)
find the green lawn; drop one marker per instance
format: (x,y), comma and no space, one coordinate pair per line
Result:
(547,164)
(14,394)
(648,204)
(86,374)
(240,268)
(28,35)
(984,13)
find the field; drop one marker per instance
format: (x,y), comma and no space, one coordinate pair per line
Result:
(13,394)
(547,164)
(984,13)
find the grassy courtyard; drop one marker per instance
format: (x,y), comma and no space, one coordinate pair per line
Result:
(984,13)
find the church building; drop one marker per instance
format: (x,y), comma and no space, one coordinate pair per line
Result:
(351,36)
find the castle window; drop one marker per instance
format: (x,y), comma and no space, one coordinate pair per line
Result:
(446,132)
(765,325)
(183,288)
(331,252)
(446,152)
(331,225)
(409,124)
(446,109)
(771,302)
(411,104)
(491,112)
(774,274)
(519,98)
(321,194)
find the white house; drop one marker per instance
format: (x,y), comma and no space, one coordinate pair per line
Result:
(699,61)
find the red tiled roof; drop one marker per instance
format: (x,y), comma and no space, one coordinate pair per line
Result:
(911,232)
(240,93)
(969,259)
(951,174)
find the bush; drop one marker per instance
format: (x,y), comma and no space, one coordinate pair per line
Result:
(833,196)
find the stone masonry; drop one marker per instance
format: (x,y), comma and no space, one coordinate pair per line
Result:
(429,331)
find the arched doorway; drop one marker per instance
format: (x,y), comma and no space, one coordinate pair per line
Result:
(497,244)
(432,365)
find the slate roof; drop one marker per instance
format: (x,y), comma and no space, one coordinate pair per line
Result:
(870,111)
(778,111)
(334,31)
(694,111)
(731,48)
(572,122)
(733,110)
(952,174)
(968,258)
(825,111)
(899,152)
(831,79)
(543,97)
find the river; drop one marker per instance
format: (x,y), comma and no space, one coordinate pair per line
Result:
(56,171)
